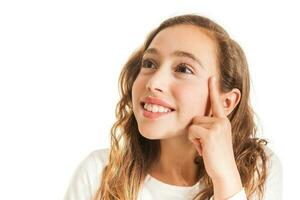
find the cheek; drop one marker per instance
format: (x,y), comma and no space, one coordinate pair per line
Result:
(137,90)
(192,100)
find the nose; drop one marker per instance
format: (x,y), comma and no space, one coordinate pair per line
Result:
(158,81)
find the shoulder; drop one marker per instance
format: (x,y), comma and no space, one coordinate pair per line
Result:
(86,178)
(273,184)
(99,157)
(94,162)
(273,161)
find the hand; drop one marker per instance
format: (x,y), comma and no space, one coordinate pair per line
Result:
(212,138)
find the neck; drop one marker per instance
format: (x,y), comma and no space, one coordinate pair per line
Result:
(176,165)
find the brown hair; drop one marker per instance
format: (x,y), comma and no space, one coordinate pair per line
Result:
(131,154)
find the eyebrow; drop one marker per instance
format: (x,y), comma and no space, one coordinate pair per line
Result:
(177,53)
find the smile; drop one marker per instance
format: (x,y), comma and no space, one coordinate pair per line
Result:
(153,111)
(155,108)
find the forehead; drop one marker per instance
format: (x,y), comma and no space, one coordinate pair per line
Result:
(186,38)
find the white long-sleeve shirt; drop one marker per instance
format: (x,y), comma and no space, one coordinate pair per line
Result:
(86,180)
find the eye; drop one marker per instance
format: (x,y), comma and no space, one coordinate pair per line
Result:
(147,63)
(184,69)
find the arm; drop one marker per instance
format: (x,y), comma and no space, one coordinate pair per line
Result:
(273,184)
(227,187)
(241,195)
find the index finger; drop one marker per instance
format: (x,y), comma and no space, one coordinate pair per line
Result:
(215,99)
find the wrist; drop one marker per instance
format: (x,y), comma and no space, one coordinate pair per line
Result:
(227,186)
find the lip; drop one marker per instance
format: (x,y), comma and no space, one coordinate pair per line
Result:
(152,115)
(157,101)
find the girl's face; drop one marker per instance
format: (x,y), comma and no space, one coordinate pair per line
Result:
(175,69)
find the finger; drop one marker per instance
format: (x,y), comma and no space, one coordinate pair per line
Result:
(207,126)
(202,119)
(197,146)
(197,132)
(215,99)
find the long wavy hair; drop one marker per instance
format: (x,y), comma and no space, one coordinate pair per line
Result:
(131,154)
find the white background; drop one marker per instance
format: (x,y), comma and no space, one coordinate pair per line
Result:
(59,66)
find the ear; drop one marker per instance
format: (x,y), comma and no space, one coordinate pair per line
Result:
(230,100)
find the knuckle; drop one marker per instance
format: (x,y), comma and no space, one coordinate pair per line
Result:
(196,119)
(218,125)
(191,128)
(224,122)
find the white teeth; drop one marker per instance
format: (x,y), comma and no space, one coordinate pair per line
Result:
(161,109)
(156,108)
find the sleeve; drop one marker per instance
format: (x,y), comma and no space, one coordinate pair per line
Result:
(241,195)
(84,181)
(273,185)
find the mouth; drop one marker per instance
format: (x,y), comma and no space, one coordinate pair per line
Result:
(143,104)
(149,114)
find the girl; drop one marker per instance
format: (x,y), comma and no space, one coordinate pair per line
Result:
(185,127)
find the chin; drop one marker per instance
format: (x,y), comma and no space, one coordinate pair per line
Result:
(150,137)
(155,135)
(149,134)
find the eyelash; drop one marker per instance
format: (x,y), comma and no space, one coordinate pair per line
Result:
(184,65)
